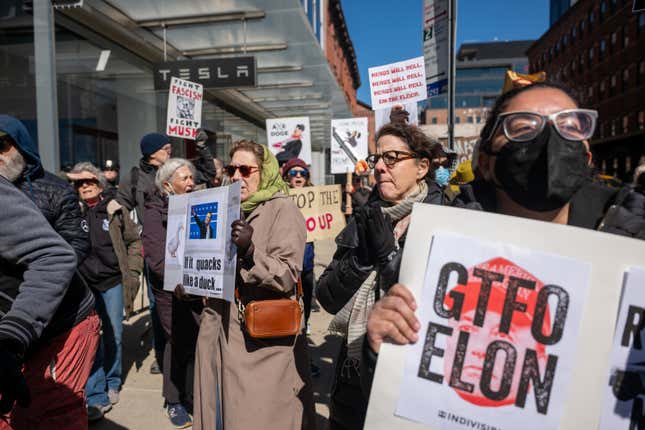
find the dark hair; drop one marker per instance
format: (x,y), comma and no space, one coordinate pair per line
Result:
(421,144)
(503,101)
(248,145)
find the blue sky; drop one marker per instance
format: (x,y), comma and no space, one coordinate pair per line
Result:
(385,31)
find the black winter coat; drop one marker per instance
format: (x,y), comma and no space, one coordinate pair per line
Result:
(336,286)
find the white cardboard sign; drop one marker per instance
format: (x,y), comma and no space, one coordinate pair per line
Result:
(184,108)
(498,338)
(624,406)
(348,143)
(581,393)
(290,136)
(200,255)
(398,83)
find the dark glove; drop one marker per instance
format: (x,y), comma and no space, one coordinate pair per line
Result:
(201,138)
(380,235)
(13,386)
(241,236)
(399,115)
(362,251)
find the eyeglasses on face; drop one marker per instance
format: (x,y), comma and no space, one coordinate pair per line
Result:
(570,124)
(245,170)
(295,172)
(390,158)
(5,143)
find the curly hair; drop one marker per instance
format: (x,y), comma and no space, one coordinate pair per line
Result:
(420,143)
(168,169)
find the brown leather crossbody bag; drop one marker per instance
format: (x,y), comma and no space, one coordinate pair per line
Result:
(265,319)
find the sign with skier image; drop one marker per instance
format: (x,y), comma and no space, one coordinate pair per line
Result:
(289,138)
(200,255)
(348,143)
(184,108)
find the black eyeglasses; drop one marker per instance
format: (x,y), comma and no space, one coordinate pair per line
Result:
(295,172)
(571,124)
(245,171)
(390,158)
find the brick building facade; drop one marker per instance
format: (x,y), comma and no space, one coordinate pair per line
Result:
(342,60)
(597,48)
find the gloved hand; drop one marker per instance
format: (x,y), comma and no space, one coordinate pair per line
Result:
(241,236)
(201,138)
(13,386)
(399,115)
(380,235)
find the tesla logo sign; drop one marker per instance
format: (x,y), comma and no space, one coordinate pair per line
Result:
(216,73)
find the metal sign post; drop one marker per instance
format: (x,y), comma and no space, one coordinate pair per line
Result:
(452,33)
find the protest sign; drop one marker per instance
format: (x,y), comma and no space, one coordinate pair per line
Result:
(321,208)
(577,380)
(500,323)
(184,108)
(398,83)
(436,28)
(348,143)
(199,252)
(624,405)
(289,138)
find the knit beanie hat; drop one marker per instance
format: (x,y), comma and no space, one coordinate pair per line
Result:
(152,142)
(294,162)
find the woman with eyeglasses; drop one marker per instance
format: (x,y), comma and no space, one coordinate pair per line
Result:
(368,255)
(259,381)
(296,175)
(111,270)
(534,162)
(178,313)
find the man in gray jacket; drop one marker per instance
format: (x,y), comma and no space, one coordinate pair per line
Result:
(36,266)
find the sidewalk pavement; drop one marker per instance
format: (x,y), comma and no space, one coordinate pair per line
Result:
(141,405)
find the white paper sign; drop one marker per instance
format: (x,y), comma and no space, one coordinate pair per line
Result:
(184,108)
(199,252)
(289,138)
(624,406)
(436,28)
(398,83)
(608,255)
(498,338)
(348,143)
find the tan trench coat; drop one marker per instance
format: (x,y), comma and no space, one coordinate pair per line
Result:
(260,383)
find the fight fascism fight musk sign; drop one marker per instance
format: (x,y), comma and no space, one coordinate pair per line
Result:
(215,73)
(517,322)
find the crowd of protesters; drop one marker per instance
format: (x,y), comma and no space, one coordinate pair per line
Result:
(74,253)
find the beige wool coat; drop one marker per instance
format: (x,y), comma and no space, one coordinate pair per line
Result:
(257,383)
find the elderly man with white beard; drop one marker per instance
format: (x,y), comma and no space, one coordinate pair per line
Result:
(68,328)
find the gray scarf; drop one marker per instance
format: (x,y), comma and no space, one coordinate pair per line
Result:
(351,321)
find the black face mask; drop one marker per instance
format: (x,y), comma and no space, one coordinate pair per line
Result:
(543,174)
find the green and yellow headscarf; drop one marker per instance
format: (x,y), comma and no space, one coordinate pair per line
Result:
(271,182)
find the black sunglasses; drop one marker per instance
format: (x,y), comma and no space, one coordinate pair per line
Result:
(245,171)
(5,143)
(80,182)
(390,158)
(294,172)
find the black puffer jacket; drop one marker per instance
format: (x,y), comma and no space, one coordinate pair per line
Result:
(336,286)
(58,202)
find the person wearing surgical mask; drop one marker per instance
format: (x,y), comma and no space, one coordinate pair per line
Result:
(179,314)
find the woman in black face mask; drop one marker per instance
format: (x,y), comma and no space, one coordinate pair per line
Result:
(534,154)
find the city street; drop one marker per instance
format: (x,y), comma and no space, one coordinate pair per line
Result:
(140,405)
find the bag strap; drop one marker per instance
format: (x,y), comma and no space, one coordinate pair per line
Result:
(297,288)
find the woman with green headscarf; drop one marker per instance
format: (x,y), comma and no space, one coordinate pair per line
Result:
(243,382)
